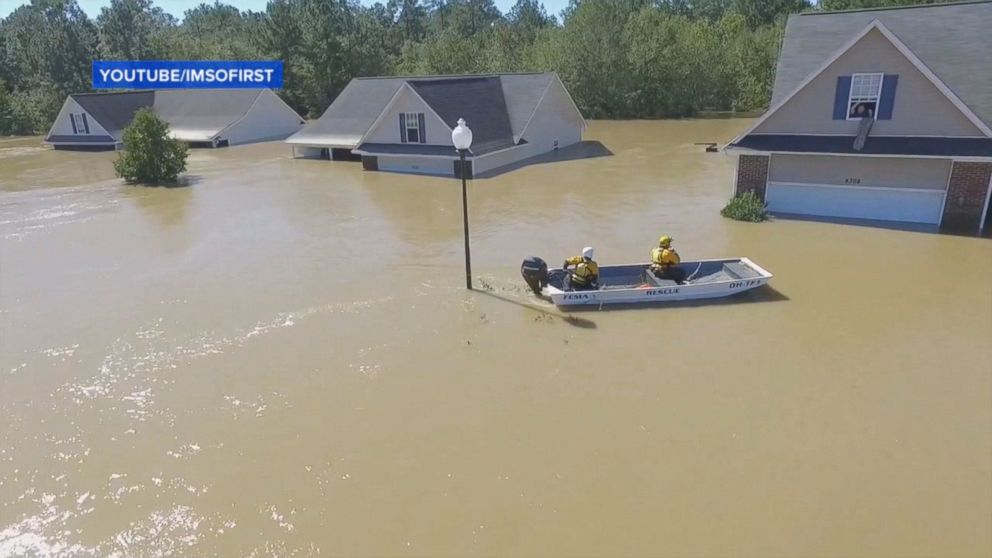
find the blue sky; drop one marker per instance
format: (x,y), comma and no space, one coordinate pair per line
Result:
(177,7)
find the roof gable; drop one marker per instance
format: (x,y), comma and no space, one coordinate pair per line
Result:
(114,111)
(959,59)
(875,25)
(920,107)
(352,114)
(479,100)
(200,114)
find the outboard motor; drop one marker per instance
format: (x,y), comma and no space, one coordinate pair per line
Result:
(535,273)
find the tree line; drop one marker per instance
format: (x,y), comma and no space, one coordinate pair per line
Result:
(619,58)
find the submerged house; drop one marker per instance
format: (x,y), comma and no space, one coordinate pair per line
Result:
(879,114)
(404,124)
(201,117)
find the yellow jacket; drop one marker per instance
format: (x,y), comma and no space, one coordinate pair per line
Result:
(586,271)
(665,257)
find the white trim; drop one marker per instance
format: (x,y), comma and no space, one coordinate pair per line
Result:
(904,50)
(852,135)
(408,155)
(737,175)
(412,124)
(877,100)
(378,120)
(947,192)
(505,149)
(985,212)
(823,185)
(100,143)
(746,151)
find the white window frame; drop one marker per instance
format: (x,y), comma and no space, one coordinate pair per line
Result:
(80,125)
(865,98)
(412,123)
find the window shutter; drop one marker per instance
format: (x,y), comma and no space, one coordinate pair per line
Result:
(888,100)
(423,131)
(402,127)
(86,124)
(841,96)
(72,119)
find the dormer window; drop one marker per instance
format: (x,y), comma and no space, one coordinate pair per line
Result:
(412,128)
(863,99)
(79,123)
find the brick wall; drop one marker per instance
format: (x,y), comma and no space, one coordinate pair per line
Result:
(752,174)
(966,196)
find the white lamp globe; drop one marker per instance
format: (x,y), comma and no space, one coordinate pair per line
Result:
(461,136)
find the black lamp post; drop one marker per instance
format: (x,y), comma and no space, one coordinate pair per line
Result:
(461,136)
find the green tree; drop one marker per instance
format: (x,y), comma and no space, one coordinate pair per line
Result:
(134,30)
(218,31)
(6,111)
(865,4)
(758,13)
(468,17)
(529,15)
(150,156)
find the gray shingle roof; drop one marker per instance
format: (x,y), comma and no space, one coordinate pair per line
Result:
(114,111)
(200,114)
(953,40)
(354,110)
(192,114)
(480,100)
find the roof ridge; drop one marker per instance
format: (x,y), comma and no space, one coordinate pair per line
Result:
(893,8)
(450,76)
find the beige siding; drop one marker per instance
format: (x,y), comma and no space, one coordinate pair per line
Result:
(502,158)
(554,119)
(388,128)
(268,119)
(63,124)
(928,174)
(920,108)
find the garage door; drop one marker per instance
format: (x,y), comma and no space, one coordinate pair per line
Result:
(878,188)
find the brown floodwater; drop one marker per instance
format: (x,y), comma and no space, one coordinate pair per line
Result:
(280,359)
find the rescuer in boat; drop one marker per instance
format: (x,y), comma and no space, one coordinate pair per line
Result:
(665,261)
(586,273)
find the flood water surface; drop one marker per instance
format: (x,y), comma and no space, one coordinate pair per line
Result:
(281,359)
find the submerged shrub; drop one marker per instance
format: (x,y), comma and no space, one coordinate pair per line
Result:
(150,156)
(746,207)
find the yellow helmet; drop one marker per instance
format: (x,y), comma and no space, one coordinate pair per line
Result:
(665,241)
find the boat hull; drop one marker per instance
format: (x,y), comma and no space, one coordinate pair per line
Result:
(724,278)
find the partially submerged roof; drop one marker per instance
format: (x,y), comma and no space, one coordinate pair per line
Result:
(952,40)
(192,114)
(201,114)
(354,111)
(481,98)
(114,111)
